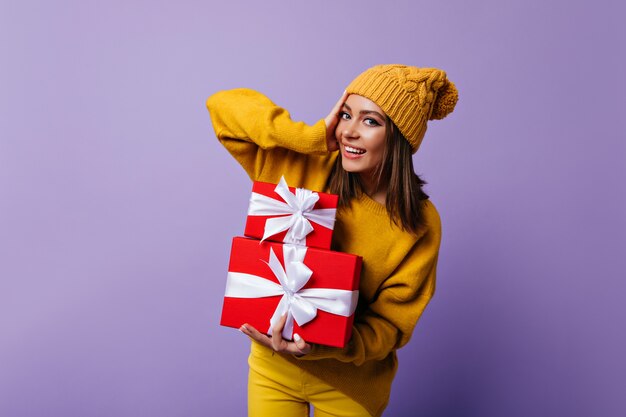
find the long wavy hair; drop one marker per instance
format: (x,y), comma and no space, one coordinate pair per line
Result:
(405,197)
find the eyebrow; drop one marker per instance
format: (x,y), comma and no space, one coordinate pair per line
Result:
(365,111)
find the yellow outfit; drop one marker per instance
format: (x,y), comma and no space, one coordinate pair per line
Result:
(399,268)
(277,388)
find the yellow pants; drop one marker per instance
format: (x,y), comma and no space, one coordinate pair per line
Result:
(277,388)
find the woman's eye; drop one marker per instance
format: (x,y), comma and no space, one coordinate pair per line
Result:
(343,115)
(371,122)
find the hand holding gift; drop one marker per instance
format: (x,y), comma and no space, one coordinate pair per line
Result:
(298,347)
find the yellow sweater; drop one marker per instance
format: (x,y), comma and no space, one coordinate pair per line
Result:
(398,275)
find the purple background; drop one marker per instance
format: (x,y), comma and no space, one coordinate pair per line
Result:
(117,204)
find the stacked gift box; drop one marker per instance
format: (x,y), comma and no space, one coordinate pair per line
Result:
(285,266)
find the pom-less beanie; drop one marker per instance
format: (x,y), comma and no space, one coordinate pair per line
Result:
(410,96)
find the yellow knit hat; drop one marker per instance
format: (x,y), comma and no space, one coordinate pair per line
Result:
(410,96)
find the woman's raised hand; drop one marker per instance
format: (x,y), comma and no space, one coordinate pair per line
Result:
(298,347)
(331,123)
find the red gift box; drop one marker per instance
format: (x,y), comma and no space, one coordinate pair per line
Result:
(331,276)
(285,214)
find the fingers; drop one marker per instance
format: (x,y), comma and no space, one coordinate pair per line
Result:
(332,118)
(340,102)
(254,334)
(277,333)
(298,347)
(301,345)
(331,123)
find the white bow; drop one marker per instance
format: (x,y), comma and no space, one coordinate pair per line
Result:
(296,213)
(299,304)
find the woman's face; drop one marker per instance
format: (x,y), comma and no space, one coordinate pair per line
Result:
(361,134)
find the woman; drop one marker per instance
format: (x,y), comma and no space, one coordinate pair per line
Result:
(361,151)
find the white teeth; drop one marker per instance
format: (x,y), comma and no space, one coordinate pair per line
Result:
(354,150)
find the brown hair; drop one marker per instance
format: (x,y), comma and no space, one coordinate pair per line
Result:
(405,197)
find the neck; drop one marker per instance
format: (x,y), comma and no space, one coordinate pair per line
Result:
(377,192)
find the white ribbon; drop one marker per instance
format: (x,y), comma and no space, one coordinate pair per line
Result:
(299,304)
(296,213)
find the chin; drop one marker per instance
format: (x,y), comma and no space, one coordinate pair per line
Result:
(348,166)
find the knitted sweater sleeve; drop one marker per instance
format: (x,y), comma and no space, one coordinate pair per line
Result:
(388,322)
(261,136)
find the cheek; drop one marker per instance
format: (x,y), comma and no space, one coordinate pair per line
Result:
(376,157)
(377,148)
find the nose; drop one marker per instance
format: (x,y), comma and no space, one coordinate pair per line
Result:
(349,130)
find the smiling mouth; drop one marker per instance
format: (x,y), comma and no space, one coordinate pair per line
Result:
(354,151)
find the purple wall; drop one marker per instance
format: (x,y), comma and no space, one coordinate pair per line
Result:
(117,204)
